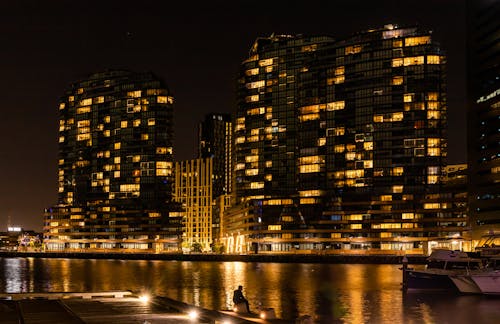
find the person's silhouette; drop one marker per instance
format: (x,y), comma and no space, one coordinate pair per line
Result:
(238,297)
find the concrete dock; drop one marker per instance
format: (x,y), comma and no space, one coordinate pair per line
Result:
(109,307)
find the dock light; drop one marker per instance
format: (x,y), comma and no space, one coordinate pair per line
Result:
(262,315)
(193,315)
(144,298)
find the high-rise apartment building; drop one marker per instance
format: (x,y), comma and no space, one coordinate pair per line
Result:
(215,142)
(340,144)
(484,116)
(193,190)
(115,165)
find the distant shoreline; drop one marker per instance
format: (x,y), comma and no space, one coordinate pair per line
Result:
(278,258)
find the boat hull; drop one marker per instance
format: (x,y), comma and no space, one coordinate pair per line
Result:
(488,283)
(429,281)
(465,284)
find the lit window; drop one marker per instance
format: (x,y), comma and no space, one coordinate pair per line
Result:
(308,117)
(151,122)
(251,172)
(339,148)
(432,96)
(309,168)
(397,116)
(309,109)
(251,158)
(415,60)
(397,80)
(310,193)
(123,124)
(240,140)
(397,62)
(252,98)
(397,171)
(256,84)
(307,201)
(86,102)
(356,226)
(83,110)
(397,189)
(407,216)
(433,151)
(117,145)
(413,41)
(340,70)
(432,179)
(352,174)
(433,59)
(336,105)
(432,105)
(431,206)
(433,114)
(134,94)
(98,100)
(354,49)
(266,62)
(161,99)
(252,72)
(256,185)
(144,137)
(339,79)
(368,146)
(433,142)
(408,97)
(62,105)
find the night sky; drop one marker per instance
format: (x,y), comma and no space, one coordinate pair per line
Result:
(195,46)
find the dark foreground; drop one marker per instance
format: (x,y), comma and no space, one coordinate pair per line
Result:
(281,258)
(109,307)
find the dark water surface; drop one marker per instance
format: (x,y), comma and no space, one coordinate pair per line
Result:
(331,293)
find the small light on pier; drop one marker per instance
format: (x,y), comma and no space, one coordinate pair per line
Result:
(144,299)
(193,315)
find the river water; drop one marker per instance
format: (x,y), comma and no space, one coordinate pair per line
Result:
(330,293)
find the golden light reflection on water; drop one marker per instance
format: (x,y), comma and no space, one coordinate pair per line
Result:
(329,292)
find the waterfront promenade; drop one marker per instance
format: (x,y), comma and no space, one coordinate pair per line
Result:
(264,257)
(110,307)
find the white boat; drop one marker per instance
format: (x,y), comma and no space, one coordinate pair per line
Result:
(465,284)
(488,282)
(444,272)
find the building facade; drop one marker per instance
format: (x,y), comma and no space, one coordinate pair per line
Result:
(340,144)
(483,116)
(193,190)
(115,165)
(215,141)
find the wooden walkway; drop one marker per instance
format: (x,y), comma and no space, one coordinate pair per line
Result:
(109,307)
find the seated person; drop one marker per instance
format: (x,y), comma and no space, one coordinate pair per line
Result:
(239,299)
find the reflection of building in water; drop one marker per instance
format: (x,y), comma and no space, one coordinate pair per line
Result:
(339,145)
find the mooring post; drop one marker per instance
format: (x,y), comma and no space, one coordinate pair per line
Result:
(405,273)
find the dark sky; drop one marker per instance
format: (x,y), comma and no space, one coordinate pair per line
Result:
(195,46)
